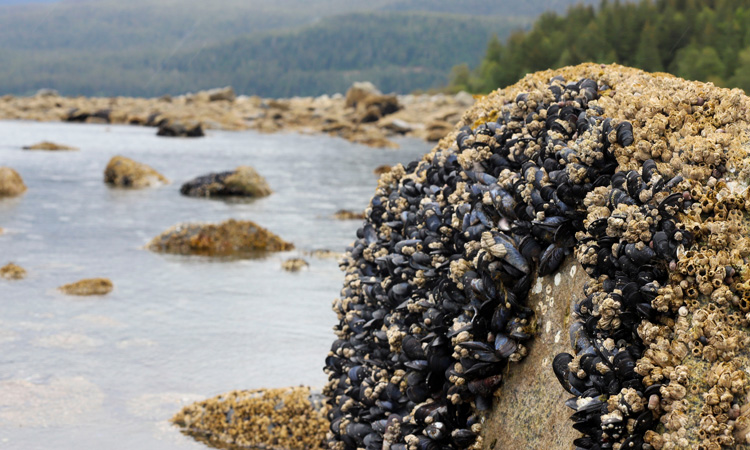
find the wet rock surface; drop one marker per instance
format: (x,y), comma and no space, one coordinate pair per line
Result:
(232,238)
(643,180)
(244,181)
(277,419)
(88,286)
(11,183)
(126,173)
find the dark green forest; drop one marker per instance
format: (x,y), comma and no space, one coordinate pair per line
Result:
(705,40)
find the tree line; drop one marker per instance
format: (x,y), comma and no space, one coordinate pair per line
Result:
(705,40)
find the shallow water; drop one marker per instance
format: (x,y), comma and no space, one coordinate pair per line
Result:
(108,372)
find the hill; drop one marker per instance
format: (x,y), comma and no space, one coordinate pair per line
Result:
(285,47)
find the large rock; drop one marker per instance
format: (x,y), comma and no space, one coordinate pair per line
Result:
(274,419)
(244,181)
(11,183)
(464,321)
(230,238)
(127,173)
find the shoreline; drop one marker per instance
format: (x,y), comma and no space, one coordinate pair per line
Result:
(358,120)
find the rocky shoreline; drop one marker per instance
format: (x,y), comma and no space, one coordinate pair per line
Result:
(363,115)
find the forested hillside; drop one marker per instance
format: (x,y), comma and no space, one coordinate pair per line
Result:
(694,39)
(284,47)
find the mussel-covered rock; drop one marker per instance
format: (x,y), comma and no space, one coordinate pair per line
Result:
(274,419)
(241,238)
(11,183)
(643,180)
(126,173)
(244,181)
(88,286)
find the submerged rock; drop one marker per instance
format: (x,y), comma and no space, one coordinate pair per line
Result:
(11,183)
(345,214)
(173,128)
(294,264)
(230,238)
(47,145)
(88,286)
(274,419)
(12,271)
(462,303)
(244,181)
(127,173)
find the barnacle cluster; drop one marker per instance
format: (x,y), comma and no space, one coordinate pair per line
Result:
(644,178)
(286,418)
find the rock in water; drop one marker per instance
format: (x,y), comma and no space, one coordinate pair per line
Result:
(88,286)
(47,145)
(230,238)
(345,214)
(643,179)
(274,419)
(126,173)
(244,181)
(12,271)
(173,128)
(11,183)
(294,264)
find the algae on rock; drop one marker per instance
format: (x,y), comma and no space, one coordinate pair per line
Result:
(88,286)
(229,238)
(12,271)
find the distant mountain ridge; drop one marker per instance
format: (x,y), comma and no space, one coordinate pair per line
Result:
(280,48)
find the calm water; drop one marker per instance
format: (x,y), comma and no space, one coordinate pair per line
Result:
(108,372)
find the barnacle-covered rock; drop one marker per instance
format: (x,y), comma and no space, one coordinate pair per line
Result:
(643,179)
(244,181)
(127,173)
(274,419)
(230,238)
(88,286)
(11,183)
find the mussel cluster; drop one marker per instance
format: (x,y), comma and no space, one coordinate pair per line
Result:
(631,236)
(434,302)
